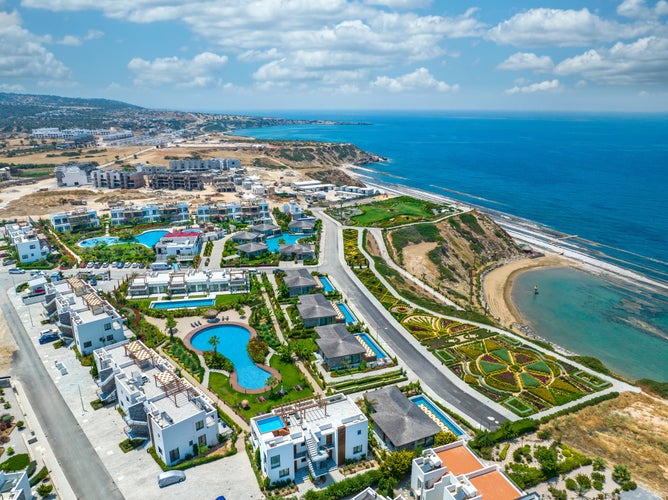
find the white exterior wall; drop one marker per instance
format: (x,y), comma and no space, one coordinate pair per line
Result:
(286,453)
(182,435)
(29,251)
(354,439)
(74,177)
(422,483)
(93,331)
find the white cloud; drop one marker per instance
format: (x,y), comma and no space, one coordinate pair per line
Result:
(76,41)
(326,36)
(201,71)
(640,9)
(526,60)
(535,87)
(644,61)
(22,54)
(562,28)
(420,79)
(16,87)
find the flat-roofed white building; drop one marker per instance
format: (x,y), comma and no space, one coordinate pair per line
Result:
(157,404)
(82,315)
(183,246)
(170,212)
(317,435)
(194,281)
(15,486)
(254,211)
(29,244)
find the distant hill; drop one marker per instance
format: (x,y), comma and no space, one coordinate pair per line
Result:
(52,101)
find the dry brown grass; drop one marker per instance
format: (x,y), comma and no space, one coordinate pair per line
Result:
(631,430)
(104,157)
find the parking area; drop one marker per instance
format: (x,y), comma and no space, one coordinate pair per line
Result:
(135,472)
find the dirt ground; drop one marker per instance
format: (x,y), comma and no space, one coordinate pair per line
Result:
(631,430)
(417,263)
(498,285)
(7,346)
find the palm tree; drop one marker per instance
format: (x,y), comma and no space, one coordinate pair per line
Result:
(272,382)
(170,325)
(214,341)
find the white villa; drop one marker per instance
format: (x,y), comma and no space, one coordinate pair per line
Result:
(157,404)
(82,315)
(453,472)
(312,436)
(30,246)
(76,219)
(185,282)
(183,246)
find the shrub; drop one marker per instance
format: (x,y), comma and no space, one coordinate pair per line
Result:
(39,477)
(571,484)
(598,485)
(10,451)
(558,494)
(504,451)
(32,467)
(345,488)
(44,490)
(20,424)
(621,474)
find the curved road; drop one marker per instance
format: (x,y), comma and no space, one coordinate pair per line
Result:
(437,381)
(80,463)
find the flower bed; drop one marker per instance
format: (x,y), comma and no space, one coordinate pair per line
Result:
(490,367)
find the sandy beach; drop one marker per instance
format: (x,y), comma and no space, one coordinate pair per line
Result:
(498,284)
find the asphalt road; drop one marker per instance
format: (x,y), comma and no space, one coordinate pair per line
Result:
(414,359)
(80,463)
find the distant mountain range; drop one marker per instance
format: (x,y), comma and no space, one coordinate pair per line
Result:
(24,112)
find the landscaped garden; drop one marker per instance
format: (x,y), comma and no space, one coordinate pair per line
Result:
(391,212)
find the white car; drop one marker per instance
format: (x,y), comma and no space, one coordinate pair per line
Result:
(17,270)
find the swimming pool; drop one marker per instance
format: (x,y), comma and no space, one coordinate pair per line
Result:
(422,400)
(270,424)
(326,284)
(380,354)
(182,304)
(232,345)
(150,238)
(272,243)
(147,238)
(91,242)
(350,318)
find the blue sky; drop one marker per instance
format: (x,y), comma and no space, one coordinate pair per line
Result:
(245,55)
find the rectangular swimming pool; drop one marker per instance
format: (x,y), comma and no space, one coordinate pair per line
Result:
(350,318)
(182,304)
(270,424)
(380,354)
(327,286)
(423,401)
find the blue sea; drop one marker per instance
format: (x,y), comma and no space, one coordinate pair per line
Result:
(599,177)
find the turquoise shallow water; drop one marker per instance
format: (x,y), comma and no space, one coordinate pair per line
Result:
(626,330)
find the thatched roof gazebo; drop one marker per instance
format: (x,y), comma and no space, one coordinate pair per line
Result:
(245,404)
(210,313)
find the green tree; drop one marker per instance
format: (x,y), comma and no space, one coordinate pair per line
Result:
(547,458)
(44,490)
(170,325)
(272,382)
(214,341)
(396,464)
(444,437)
(598,464)
(285,353)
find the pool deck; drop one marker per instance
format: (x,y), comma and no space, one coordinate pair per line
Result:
(233,376)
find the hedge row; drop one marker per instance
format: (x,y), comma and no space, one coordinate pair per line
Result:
(346,487)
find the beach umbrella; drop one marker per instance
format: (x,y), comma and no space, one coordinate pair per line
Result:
(245,403)
(210,313)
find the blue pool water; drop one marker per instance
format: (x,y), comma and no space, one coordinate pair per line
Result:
(272,242)
(182,304)
(380,354)
(422,400)
(233,340)
(91,242)
(270,424)
(350,318)
(326,284)
(148,239)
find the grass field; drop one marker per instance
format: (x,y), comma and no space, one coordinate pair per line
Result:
(395,211)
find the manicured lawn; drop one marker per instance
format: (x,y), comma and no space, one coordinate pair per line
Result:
(291,377)
(394,211)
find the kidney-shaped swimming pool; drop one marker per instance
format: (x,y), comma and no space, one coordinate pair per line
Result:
(232,345)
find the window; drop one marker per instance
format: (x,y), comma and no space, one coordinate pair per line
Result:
(284,472)
(110,337)
(107,326)
(174,455)
(275,461)
(359,432)
(199,425)
(357,449)
(87,344)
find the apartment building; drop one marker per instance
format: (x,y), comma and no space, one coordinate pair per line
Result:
(137,214)
(185,282)
(117,179)
(312,436)
(75,220)
(29,244)
(82,315)
(157,404)
(74,174)
(197,165)
(253,211)
(186,180)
